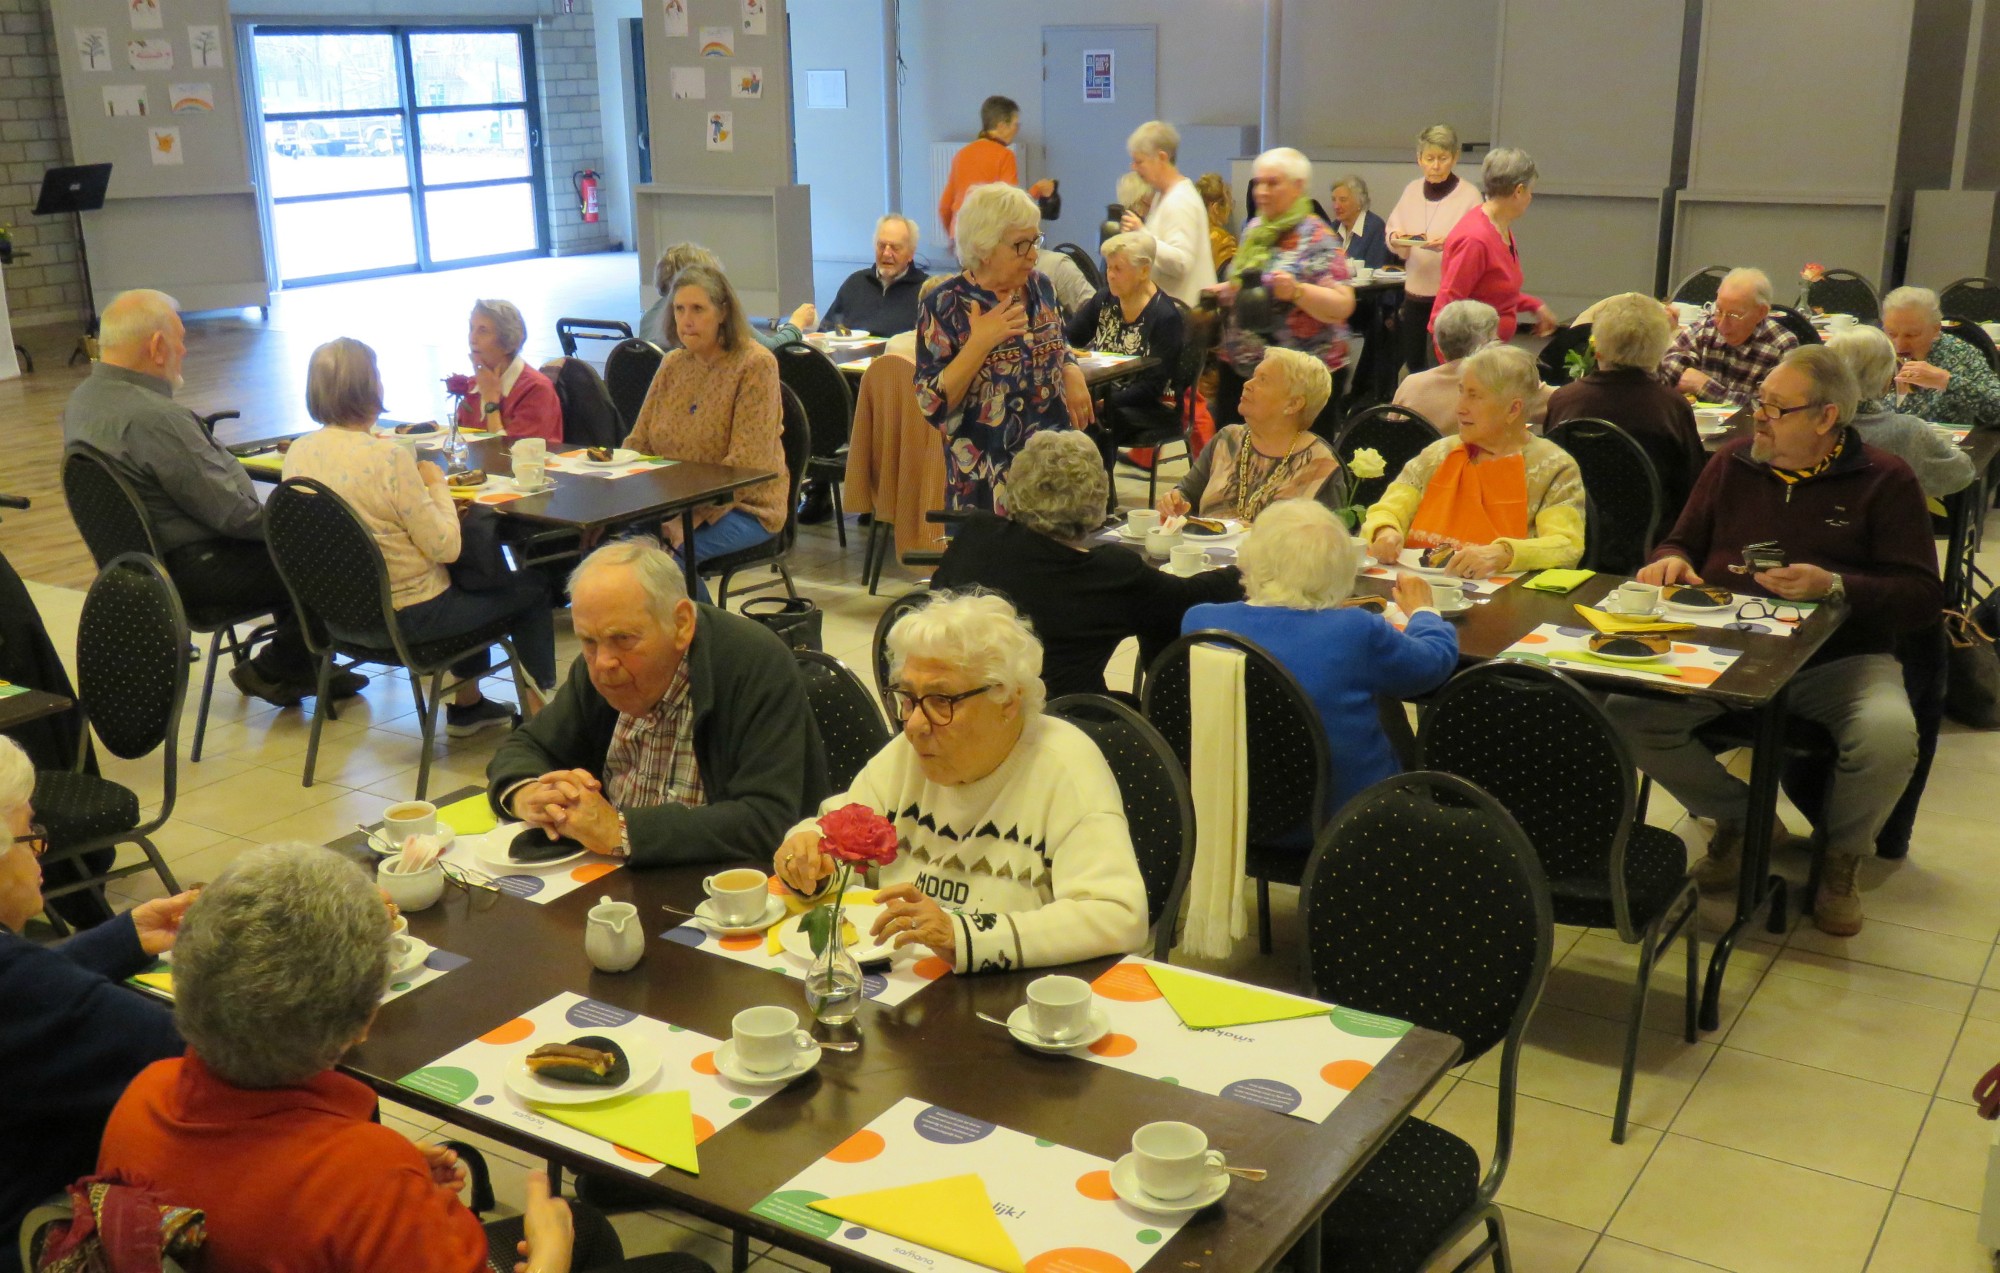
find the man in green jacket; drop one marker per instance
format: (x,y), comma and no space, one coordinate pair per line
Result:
(682,734)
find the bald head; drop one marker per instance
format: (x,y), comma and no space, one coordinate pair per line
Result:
(141,331)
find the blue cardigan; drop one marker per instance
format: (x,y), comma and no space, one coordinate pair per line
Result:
(1343,658)
(71,1038)
(1371,242)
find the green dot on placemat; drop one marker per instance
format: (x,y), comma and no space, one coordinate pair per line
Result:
(1148,1236)
(676,1029)
(1171,1081)
(404,985)
(1043,1143)
(741,1102)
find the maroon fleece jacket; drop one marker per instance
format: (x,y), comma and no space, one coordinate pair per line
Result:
(1863,519)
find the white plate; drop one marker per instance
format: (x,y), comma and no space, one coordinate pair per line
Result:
(420,950)
(491,849)
(1675,607)
(532,1087)
(1125,1183)
(853,334)
(1017,1025)
(730,1068)
(491,483)
(859,914)
(619,455)
(548,484)
(1463,608)
(706,918)
(1234,529)
(443,833)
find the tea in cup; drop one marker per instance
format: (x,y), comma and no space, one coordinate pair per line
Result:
(738,896)
(1173,1160)
(1058,1007)
(768,1039)
(1363,274)
(1141,521)
(409,817)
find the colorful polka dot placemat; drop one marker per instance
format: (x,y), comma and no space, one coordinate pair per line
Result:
(159,979)
(972,1194)
(474,1077)
(887,985)
(487,853)
(1303,1065)
(1690,662)
(1765,608)
(1411,560)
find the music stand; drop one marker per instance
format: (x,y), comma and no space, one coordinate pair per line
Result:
(76,191)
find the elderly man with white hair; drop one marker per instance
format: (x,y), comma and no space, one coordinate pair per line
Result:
(1725,355)
(1184,262)
(1939,378)
(512,397)
(1015,851)
(682,734)
(882,299)
(204,512)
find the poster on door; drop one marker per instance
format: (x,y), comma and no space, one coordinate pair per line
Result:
(1099,80)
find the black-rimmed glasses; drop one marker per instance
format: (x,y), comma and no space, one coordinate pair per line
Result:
(1765,411)
(938,708)
(1028,247)
(1782,612)
(37,839)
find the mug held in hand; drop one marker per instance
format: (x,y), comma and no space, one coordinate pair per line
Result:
(589,1059)
(532,845)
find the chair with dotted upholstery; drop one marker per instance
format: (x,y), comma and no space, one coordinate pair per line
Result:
(1535,738)
(131,680)
(1975,299)
(1623,492)
(897,609)
(1424,902)
(1395,433)
(1158,808)
(1701,287)
(849,720)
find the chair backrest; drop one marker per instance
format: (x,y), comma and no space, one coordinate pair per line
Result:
(1700,287)
(850,721)
(570,330)
(822,389)
(628,373)
(1797,324)
(1553,361)
(1975,335)
(131,659)
(1976,298)
(1290,766)
(107,511)
(1845,292)
(795,435)
(1536,741)
(1084,263)
(1624,489)
(589,416)
(897,609)
(1396,433)
(331,565)
(1159,810)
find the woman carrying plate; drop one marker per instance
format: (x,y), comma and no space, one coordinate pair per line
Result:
(1273,455)
(1015,852)
(1493,497)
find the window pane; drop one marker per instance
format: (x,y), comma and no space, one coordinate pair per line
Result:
(474,146)
(484,221)
(326,156)
(341,236)
(459,68)
(326,72)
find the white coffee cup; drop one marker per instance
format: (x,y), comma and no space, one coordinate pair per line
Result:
(1174,1160)
(738,895)
(412,891)
(1364,274)
(768,1039)
(530,474)
(1058,1007)
(1840,322)
(1141,520)
(1189,558)
(1634,597)
(406,818)
(1160,541)
(532,450)
(400,949)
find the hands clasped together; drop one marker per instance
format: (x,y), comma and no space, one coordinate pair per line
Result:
(571,802)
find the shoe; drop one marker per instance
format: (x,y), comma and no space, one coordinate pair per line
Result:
(816,505)
(1837,904)
(487,713)
(254,684)
(346,683)
(1722,867)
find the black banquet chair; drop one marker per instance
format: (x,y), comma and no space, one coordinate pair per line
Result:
(1623,489)
(1974,335)
(1553,361)
(1084,264)
(1546,749)
(1700,287)
(571,330)
(829,405)
(1424,902)
(1797,324)
(1159,811)
(1974,298)
(628,374)
(896,609)
(796,437)
(849,720)
(1845,292)
(1395,433)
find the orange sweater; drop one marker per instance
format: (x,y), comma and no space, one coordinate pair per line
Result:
(980,163)
(293,1179)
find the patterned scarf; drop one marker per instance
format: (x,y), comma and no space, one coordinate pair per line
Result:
(1792,477)
(1261,240)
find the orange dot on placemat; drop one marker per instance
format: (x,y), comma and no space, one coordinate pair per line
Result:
(703,1129)
(512,1032)
(930,967)
(775,885)
(859,1147)
(1533,638)
(1096,1185)
(1698,675)
(1115,1045)
(1127,983)
(634,1157)
(592,870)
(1498,581)
(1683,649)
(1077,1259)
(741,943)
(703,1064)
(1346,1075)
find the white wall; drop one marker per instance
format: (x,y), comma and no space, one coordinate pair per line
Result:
(620,119)
(840,153)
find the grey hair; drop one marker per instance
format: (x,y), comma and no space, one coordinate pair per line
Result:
(1154,137)
(1304,376)
(135,317)
(1057,485)
(1921,299)
(904,221)
(659,574)
(1137,246)
(1756,280)
(509,328)
(1355,186)
(1832,383)
(1504,370)
(1286,162)
(1464,326)
(1131,188)
(1442,136)
(1870,357)
(986,216)
(1505,170)
(1631,330)
(1299,556)
(17,778)
(981,634)
(280,965)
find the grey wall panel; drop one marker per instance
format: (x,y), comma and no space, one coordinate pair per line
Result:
(216,264)
(1606,135)
(1780,238)
(1577,250)
(839,152)
(1982,151)
(1935,77)
(1952,235)
(1373,75)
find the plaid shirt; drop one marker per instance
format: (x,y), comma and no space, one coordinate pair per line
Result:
(1737,369)
(651,760)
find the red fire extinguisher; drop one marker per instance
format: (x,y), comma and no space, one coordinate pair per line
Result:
(586,193)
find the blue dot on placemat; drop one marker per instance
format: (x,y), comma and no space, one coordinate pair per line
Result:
(519,885)
(687,935)
(445,961)
(1574,632)
(855,1234)
(592,1012)
(482,1100)
(1269,1093)
(947,1127)
(873,984)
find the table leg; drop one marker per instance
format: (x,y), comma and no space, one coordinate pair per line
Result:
(1756,883)
(688,563)
(1959,520)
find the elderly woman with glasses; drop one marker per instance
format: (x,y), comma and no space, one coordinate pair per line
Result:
(1492,498)
(71,1038)
(1015,852)
(1938,378)
(1941,467)
(1481,261)
(1082,600)
(992,365)
(1298,570)
(1273,455)
(512,397)
(1131,316)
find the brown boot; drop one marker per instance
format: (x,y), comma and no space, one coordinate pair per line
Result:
(1722,867)
(1837,904)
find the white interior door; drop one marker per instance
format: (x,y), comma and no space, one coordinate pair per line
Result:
(1097,86)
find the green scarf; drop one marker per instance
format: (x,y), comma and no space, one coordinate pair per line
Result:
(1255,250)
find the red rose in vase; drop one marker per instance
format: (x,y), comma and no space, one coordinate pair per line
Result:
(859,836)
(460,385)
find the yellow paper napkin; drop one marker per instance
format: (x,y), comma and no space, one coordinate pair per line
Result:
(659,1125)
(953,1215)
(470,816)
(1205,1003)
(1605,621)
(796,905)
(160,981)
(1558,580)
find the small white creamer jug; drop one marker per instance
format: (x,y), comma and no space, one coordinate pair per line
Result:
(613,939)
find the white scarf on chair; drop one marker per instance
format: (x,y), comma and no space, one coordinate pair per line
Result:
(1218,911)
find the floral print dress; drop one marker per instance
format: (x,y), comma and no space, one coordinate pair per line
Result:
(1310,252)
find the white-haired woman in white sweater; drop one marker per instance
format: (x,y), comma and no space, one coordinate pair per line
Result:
(1014,851)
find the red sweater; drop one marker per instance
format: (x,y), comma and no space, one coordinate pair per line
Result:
(1479,265)
(1863,519)
(530,411)
(293,1180)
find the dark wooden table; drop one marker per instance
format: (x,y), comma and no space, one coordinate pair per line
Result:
(32,705)
(1374,302)
(931,1048)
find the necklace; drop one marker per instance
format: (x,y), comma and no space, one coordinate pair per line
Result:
(1250,504)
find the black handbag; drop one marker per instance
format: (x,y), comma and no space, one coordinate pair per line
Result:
(795,620)
(481,565)
(1972,692)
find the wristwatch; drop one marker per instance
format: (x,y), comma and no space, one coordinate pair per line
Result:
(491,408)
(624,849)
(1836,591)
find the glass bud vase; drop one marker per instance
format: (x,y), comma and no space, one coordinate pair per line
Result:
(833,984)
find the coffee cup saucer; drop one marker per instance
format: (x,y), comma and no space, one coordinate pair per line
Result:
(732,1069)
(706,918)
(1654,612)
(1018,1026)
(413,962)
(1125,1183)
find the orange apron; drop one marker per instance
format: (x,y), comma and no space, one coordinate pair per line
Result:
(1467,503)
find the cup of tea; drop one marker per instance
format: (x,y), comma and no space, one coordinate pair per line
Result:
(1187,559)
(410,890)
(1634,597)
(1160,541)
(1174,1160)
(406,818)
(1141,521)
(1364,274)
(1058,1007)
(738,896)
(768,1039)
